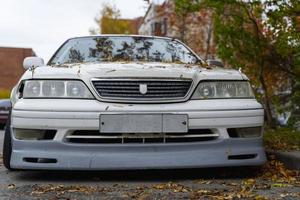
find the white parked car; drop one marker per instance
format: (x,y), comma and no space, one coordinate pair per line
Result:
(131,102)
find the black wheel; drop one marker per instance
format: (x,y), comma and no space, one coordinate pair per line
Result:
(7,148)
(2,126)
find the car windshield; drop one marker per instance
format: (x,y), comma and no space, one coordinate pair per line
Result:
(117,48)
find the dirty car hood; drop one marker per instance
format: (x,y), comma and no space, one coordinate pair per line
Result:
(132,70)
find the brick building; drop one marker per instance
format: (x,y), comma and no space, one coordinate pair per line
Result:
(195,29)
(11,65)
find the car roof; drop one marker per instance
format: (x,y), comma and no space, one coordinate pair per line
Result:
(124,35)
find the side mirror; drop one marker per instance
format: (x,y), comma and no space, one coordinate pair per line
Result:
(215,63)
(32,62)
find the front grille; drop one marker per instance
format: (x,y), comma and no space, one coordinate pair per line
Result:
(95,137)
(130,89)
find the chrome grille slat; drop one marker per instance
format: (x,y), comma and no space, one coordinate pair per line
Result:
(158,136)
(117,87)
(137,92)
(139,95)
(193,135)
(133,82)
(137,87)
(166,89)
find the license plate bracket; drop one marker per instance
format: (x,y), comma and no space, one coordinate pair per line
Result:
(143,123)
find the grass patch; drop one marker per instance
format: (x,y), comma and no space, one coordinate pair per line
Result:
(286,139)
(4,94)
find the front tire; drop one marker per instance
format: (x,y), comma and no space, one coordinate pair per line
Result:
(7,147)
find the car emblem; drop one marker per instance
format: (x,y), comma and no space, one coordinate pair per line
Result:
(143,88)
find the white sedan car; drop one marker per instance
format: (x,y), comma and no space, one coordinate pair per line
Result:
(114,102)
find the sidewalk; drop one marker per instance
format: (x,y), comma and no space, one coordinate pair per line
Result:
(290,159)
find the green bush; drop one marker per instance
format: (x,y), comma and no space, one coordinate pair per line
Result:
(4,94)
(285,139)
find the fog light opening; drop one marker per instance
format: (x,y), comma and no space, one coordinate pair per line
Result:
(242,156)
(34,134)
(248,132)
(40,160)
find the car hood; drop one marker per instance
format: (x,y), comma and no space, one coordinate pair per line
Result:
(132,70)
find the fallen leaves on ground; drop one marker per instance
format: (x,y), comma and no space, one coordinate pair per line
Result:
(137,194)
(276,172)
(285,139)
(244,190)
(11,186)
(61,189)
(271,177)
(297,195)
(206,182)
(175,187)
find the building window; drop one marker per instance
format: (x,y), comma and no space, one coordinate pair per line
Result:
(152,29)
(165,26)
(159,28)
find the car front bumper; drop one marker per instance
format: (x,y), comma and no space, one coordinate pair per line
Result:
(69,115)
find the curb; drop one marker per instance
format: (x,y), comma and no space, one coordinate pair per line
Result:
(290,159)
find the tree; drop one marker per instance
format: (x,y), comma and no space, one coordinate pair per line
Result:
(248,36)
(283,24)
(183,8)
(195,26)
(109,22)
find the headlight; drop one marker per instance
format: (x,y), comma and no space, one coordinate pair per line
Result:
(223,89)
(56,89)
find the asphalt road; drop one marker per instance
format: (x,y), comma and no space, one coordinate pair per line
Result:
(155,184)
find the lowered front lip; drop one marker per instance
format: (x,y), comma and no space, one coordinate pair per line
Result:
(69,115)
